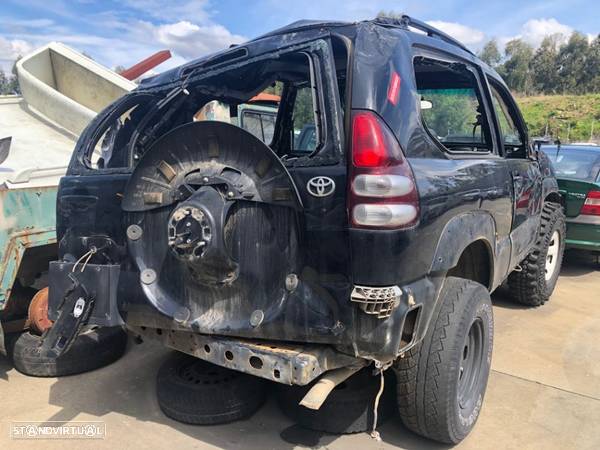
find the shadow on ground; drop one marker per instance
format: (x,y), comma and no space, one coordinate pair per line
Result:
(5,366)
(575,263)
(128,387)
(579,262)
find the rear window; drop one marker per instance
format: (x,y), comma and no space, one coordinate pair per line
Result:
(578,164)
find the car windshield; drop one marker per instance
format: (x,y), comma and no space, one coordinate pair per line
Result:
(578,163)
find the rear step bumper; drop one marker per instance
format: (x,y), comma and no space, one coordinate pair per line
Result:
(282,363)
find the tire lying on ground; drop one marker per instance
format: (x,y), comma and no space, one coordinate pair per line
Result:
(441,382)
(349,407)
(194,391)
(534,283)
(90,350)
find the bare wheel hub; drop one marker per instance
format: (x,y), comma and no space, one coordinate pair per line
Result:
(189,232)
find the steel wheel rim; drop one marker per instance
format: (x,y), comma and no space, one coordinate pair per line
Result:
(195,372)
(552,255)
(471,365)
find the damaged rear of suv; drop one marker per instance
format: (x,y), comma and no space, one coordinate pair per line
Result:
(359,232)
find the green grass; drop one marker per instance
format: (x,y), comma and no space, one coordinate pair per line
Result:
(569,117)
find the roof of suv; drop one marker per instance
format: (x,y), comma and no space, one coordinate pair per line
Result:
(269,40)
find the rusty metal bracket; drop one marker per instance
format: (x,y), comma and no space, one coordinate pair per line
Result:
(280,362)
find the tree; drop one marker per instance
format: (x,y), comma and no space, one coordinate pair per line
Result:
(544,65)
(593,66)
(13,84)
(3,83)
(572,63)
(517,66)
(490,53)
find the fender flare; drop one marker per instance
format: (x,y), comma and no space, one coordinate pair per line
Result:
(460,232)
(550,186)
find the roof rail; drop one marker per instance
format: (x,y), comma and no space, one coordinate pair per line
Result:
(409,22)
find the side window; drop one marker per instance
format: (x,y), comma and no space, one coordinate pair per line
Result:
(260,124)
(452,107)
(107,147)
(509,132)
(303,118)
(258,120)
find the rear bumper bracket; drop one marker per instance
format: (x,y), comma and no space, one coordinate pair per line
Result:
(280,362)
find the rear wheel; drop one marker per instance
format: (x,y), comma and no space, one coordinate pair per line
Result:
(442,381)
(194,391)
(91,350)
(534,283)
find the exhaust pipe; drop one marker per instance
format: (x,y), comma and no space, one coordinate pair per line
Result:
(317,395)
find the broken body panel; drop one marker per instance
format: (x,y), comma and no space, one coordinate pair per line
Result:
(294,273)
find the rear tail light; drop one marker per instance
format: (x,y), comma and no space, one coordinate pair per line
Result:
(382,188)
(591,206)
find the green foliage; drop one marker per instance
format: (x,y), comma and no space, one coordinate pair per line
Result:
(490,54)
(572,67)
(568,117)
(571,64)
(454,113)
(517,66)
(8,84)
(543,65)
(303,108)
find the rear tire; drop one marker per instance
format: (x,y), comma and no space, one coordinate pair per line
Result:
(441,383)
(194,391)
(534,284)
(91,350)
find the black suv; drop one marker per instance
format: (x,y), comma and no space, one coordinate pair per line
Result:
(376,240)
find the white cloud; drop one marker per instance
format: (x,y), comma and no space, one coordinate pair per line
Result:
(117,38)
(187,39)
(10,50)
(196,10)
(535,30)
(466,35)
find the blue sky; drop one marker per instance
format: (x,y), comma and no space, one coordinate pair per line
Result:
(121,32)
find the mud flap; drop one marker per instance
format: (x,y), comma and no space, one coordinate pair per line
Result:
(73,313)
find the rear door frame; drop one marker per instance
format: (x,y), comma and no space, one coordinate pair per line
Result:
(525,174)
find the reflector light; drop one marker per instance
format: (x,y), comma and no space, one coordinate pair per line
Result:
(379,301)
(383,185)
(393,93)
(384,215)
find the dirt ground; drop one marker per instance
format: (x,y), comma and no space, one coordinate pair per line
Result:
(544,391)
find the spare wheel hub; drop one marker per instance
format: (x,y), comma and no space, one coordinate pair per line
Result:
(189,232)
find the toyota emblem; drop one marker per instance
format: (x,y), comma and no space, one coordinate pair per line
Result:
(320,186)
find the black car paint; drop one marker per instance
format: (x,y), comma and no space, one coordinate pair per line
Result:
(463,198)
